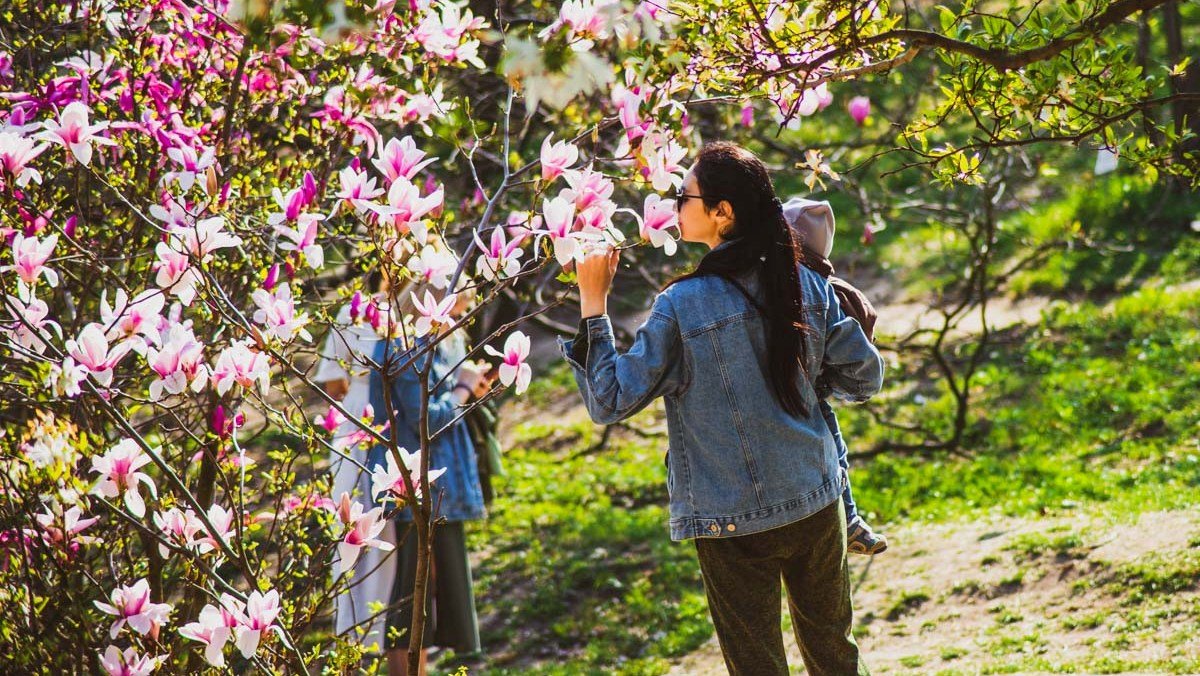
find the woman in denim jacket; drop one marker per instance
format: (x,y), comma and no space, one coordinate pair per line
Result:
(742,350)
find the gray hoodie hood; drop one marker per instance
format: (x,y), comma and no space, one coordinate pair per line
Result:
(813,222)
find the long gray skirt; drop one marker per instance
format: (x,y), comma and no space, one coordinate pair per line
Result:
(451,620)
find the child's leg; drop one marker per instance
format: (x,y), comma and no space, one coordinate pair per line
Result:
(862,540)
(843,457)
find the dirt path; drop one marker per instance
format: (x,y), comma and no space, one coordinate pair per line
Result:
(1011,596)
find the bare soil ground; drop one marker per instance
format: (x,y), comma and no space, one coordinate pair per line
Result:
(1012,596)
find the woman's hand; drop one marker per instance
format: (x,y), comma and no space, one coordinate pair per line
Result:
(595,274)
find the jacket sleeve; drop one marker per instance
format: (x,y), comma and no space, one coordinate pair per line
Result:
(615,386)
(852,367)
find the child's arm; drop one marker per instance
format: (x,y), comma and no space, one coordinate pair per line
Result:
(852,368)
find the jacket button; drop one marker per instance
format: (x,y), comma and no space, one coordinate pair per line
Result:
(714,528)
(731,528)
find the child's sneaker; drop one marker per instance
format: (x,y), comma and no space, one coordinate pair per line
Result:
(860,539)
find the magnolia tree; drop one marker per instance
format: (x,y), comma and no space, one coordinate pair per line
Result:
(192,191)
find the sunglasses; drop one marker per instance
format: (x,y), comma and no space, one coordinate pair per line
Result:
(681,197)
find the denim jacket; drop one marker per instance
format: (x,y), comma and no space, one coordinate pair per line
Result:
(457,494)
(738,463)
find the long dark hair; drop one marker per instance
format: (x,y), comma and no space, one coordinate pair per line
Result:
(760,240)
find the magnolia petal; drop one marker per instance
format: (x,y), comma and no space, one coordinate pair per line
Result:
(247,641)
(140,623)
(564,249)
(348,556)
(508,373)
(524,376)
(213,652)
(134,503)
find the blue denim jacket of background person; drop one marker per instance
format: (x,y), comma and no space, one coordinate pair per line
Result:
(457,493)
(738,463)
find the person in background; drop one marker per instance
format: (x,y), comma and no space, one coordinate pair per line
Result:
(814,225)
(343,373)
(452,621)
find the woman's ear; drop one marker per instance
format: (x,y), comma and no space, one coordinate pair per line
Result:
(725,211)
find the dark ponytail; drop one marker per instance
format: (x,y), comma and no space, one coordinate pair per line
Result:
(759,240)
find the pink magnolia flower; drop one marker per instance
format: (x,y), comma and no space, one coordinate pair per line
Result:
(29,259)
(259,616)
(272,277)
(293,204)
(332,420)
(406,209)
(277,312)
(665,166)
(356,306)
(118,469)
(362,530)
(303,503)
(359,437)
(173,215)
(434,265)
(303,238)
(193,164)
(657,221)
(500,259)
(586,187)
(29,325)
(71,525)
(72,131)
(860,109)
(174,273)
(389,479)
(128,663)
(514,368)
(338,107)
(585,21)
(432,312)
(224,425)
(178,363)
(824,97)
(16,152)
(178,527)
(213,630)
(126,319)
(422,106)
(64,379)
(357,189)
(557,158)
(240,365)
(630,117)
(522,223)
(222,521)
(810,100)
(748,115)
(559,217)
(91,350)
(401,158)
(441,34)
(204,238)
(132,605)
(596,219)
